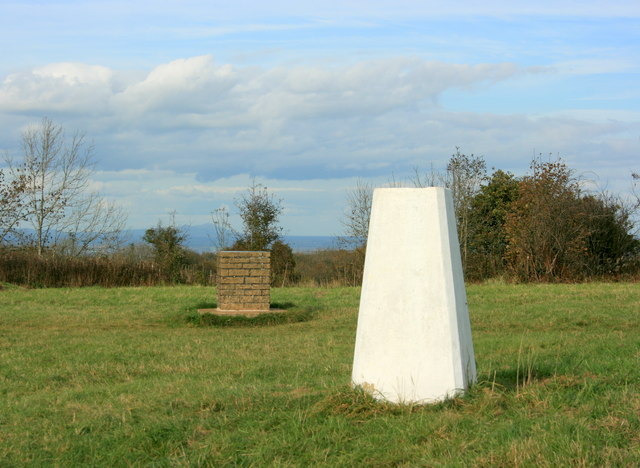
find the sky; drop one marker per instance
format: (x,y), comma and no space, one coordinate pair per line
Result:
(187,102)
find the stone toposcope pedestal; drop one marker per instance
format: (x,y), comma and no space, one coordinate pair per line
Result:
(413,341)
(243,281)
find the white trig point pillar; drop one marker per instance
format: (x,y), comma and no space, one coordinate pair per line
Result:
(413,342)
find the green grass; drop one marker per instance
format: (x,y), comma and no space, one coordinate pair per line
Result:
(119,377)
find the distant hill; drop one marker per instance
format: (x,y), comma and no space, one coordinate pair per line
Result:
(311,243)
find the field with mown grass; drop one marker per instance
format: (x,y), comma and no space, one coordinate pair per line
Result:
(128,376)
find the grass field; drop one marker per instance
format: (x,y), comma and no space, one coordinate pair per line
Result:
(118,377)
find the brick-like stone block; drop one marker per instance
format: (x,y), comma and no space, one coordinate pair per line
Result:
(243,280)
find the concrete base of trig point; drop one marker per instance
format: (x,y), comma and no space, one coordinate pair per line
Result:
(413,342)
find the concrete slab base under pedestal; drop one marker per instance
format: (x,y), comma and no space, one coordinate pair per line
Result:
(239,313)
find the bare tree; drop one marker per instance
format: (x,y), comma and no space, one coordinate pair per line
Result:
(355,222)
(393,182)
(356,217)
(430,178)
(224,231)
(60,208)
(465,175)
(93,224)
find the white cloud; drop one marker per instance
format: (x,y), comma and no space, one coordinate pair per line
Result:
(72,87)
(194,113)
(198,86)
(189,134)
(182,86)
(74,74)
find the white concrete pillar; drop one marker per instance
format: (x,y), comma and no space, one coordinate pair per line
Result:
(413,342)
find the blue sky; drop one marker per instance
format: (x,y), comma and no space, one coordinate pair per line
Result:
(187,101)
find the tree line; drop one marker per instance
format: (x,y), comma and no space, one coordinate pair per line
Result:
(539,227)
(542,226)
(76,236)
